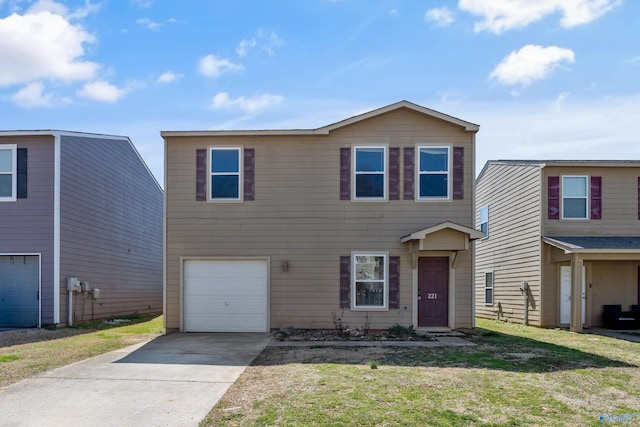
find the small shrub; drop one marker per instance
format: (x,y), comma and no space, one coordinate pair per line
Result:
(400,331)
(338,325)
(373,364)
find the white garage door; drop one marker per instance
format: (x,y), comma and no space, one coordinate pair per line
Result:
(225,295)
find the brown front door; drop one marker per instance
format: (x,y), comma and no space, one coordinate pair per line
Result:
(433,291)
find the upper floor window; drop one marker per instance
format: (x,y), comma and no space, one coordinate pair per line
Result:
(484,220)
(225,176)
(8,172)
(574,197)
(370,172)
(370,281)
(488,287)
(433,172)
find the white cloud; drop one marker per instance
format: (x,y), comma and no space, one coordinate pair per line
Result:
(101,91)
(168,77)
(33,96)
(143,4)
(499,16)
(43,45)
(60,9)
(221,101)
(530,63)
(244,46)
(212,66)
(154,25)
(393,12)
(265,40)
(442,16)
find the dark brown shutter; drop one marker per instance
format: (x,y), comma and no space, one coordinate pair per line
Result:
(458,173)
(345,282)
(596,197)
(22,173)
(408,173)
(394,282)
(201,174)
(639,212)
(553,197)
(345,173)
(249,167)
(394,173)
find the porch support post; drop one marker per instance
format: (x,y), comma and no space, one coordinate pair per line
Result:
(576,294)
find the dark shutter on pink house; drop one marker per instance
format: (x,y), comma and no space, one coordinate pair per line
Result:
(201,174)
(345,173)
(596,197)
(394,282)
(249,167)
(458,173)
(553,197)
(22,173)
(345,282)
(408,173)
(394,173)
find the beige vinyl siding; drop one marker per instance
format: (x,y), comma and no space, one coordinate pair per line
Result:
(619,203)
(512,250)
(297,216)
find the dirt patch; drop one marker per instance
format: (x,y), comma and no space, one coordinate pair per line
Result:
(349,334)
(26,336)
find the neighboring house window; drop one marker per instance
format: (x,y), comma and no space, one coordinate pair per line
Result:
(433,173)
(225,179)
(370,173)
(484,220)
(8,172)
(370,281)
(488,288)
(574,197)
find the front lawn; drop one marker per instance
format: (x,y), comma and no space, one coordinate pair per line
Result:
(515,376)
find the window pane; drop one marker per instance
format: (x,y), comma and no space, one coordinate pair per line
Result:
(6,163)
(433,185)
(225,160)
(488,280)
(369,268)
(574,186)
(224,187)
(575,208)
(484,228)
(370,294)
(434,159)
(484,214)
(5,185)
(488,296)
(370,185)
(369,159)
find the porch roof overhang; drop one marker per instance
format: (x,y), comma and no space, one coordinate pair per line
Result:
(444,236)
(589,246)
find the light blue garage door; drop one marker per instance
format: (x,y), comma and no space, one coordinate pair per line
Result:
(19,286)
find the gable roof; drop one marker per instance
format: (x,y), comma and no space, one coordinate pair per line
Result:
(586,244)
(325,130)
(421,234)
(561,163)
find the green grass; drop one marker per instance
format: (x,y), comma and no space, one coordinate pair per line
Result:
(54,348)
(514,376)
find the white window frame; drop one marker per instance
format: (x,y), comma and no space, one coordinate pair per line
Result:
(385,281)
(586,197)
(419,173)
(239,174)
(385,172)
(14,172)
(492,287)
(486,220)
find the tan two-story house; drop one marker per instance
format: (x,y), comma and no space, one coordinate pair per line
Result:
(368,220)
(561,240)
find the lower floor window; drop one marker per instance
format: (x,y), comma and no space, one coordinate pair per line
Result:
(370,280)
(488,288)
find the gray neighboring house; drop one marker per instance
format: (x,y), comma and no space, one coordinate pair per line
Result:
(564,234)
(76,205)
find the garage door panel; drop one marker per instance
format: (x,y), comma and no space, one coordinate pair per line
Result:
(225,295)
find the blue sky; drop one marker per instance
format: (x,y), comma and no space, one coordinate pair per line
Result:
(544,79)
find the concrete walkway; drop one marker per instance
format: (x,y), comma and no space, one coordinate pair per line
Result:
(173,380)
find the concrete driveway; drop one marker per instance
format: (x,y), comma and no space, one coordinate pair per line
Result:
(173,380)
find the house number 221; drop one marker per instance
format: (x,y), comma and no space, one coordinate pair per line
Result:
(432,296)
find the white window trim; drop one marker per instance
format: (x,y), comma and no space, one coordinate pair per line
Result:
(586,197)
(14,172)
(493,287)
(385,174)
(240,174)
(384,307)
(487,221)
(418,173)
